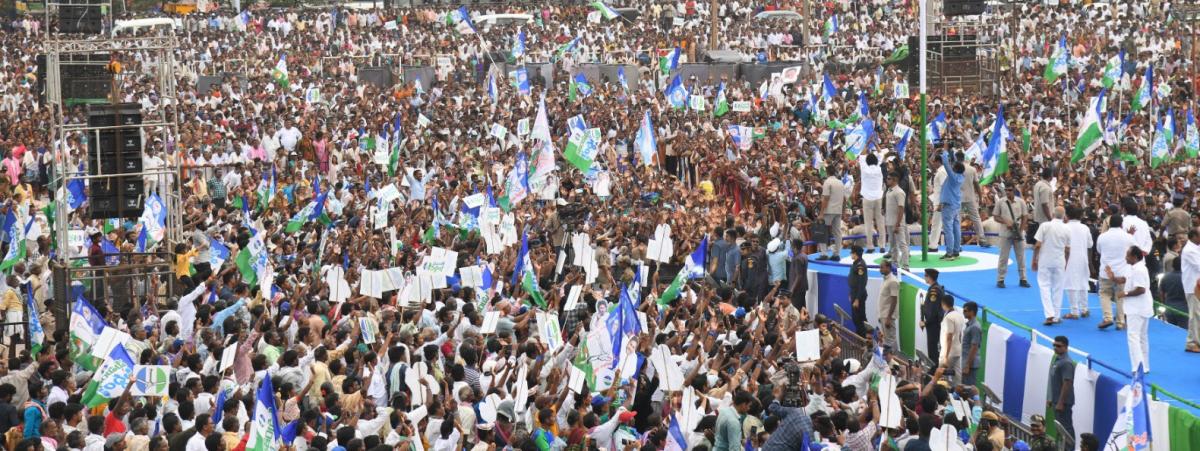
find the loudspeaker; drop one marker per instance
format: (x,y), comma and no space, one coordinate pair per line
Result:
(111,151)
(960,68)
(80,19)
(951,8)
(81,76)
(959,53)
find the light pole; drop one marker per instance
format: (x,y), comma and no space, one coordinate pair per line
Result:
(924,144)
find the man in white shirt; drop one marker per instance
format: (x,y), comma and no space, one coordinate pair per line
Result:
(1112,245)
(1189,262)
(1076,284)
(1137,227)
(935,220)
(203,427)
(970,202)
(1139,306)
(953,323)
(1053,246)
(288,136)
(870,188)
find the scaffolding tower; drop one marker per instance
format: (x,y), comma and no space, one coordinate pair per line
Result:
(153,70)
(962,54)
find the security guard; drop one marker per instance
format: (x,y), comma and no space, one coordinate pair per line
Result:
(931,313)
(858,290)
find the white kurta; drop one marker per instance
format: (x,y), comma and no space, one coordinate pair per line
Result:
(1077,263)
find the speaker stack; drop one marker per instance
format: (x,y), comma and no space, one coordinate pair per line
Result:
(953,8)
(114,151)
(83,17)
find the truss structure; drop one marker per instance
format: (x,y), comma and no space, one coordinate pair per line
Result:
(157,68)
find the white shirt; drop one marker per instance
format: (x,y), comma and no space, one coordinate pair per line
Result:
(1077,264)
(872,179)
(196,443)
(1112,246)
(57,394)
(952,325)
(1054,238)
(288,137)
(1142,304)
(1189,264)
(1141,232)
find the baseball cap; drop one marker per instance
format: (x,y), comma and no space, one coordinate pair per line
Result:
(626,417)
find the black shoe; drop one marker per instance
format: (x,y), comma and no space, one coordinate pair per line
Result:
(870,250)
(835,258)
(823,257)
(931,250)
(1024,284)
(1000,284)
(984,245)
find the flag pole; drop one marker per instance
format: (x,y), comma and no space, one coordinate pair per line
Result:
(924,144)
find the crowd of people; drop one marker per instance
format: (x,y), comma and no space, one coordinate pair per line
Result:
(473,262)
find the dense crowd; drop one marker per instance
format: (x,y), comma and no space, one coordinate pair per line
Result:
(426,266)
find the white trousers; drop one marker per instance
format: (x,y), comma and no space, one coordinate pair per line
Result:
(1077,301)
(1050,283)
(1138,332)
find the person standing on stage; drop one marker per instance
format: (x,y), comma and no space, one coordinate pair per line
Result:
(895,226)
(1052,248)
(931,313)
(1043,203)
(1078,272)
(833,201)
(1011,211)
(870,190)
(1112,246)
(1139,306)
(951,206)
(1189,262)
(970,201)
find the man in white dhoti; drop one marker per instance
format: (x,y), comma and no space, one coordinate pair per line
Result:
(1076,284)
(1053,246)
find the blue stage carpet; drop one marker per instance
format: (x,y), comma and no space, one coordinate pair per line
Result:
(1171,367)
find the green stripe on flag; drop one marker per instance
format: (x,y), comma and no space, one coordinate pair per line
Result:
(673,290)
(1184,430)
(908,318)
(244,266)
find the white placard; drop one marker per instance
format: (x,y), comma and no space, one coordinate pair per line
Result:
(227,356)
(475,200)
(808,345)
(368,329)
(573,298)
(523,127)
(472,276)
(548,330)
(150,380)
(741,106)
(890,409)
(490,319)
(668,371)
(499,131)
(388,193)
(575,379)
(660,248)
(109,339)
